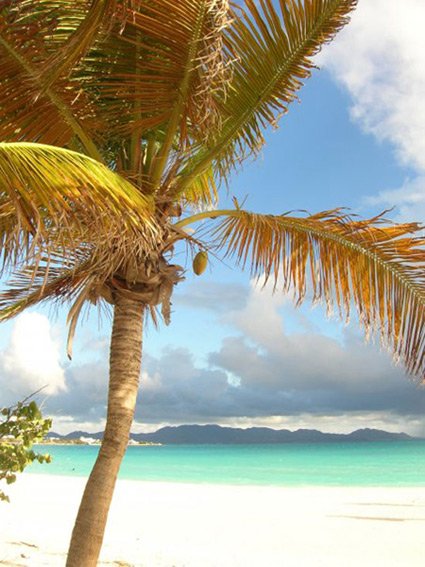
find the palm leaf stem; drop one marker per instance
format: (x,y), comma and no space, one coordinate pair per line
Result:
(203,216)
(136,135)
(173,124)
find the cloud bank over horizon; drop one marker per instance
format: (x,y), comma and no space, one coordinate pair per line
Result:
(274,367)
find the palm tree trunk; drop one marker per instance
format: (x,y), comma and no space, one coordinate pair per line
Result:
(125,361)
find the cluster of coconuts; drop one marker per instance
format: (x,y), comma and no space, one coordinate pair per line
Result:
(200,262)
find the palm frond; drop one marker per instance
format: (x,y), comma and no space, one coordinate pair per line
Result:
(195,85)
(165,58)
(378,267)
(46,190)
(28,111)
(55,278)
(92,274)
(35,284)
(203,192)
(96,20)
(272,52)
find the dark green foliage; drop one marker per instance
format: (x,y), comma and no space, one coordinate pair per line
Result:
(20,426)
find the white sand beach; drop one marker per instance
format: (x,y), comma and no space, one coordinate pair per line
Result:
(156,524)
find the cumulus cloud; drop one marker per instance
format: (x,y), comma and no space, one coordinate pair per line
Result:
(260,319)
(378,58)
(269,373)
(174,388)
(87,393)
(31,360)
(87,382)
(266,370)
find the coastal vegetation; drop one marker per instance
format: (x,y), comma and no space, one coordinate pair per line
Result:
(121,121)
(21,426)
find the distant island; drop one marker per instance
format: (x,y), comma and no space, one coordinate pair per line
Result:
(216,434)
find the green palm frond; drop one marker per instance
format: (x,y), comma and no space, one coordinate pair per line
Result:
(198,64)
(203,192)
(272,52)
(46,190)
(378,267)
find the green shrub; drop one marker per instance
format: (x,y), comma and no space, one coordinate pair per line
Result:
(20,426)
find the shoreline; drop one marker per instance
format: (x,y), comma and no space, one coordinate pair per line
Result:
(163,524)
(247,484)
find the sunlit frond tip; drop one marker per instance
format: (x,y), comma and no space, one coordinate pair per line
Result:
(45,189)
(378,267)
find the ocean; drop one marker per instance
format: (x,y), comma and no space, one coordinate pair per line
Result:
(337,464)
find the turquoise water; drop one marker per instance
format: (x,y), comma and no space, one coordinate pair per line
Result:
(342,464)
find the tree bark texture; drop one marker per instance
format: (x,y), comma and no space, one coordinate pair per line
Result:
(125,362)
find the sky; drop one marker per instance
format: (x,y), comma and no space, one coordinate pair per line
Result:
(236,354)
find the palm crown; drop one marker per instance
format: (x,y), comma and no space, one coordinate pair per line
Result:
(122,118)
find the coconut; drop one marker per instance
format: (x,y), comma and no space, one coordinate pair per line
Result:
(200,262)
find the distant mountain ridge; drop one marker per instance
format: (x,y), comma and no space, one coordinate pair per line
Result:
(216,434)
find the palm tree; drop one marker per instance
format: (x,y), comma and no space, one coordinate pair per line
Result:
(121,119)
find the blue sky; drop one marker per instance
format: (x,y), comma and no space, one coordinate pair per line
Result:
(238,356)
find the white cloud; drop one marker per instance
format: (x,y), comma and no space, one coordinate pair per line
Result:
(284,374)
(378,58)
(31,360)
(260,318)
(409,200)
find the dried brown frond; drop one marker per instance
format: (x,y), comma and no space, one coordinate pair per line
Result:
(96,271)
(34,284)
(214,74)
(377,266)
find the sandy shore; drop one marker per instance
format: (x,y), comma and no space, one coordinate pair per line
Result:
(175,525)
